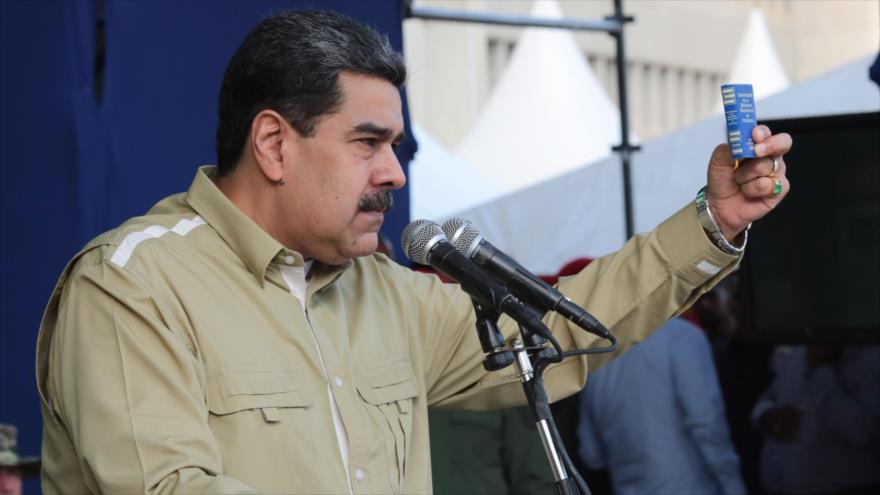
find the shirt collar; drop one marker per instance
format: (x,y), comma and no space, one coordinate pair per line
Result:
(256,248)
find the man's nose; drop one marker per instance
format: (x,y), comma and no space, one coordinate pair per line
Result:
(390,172)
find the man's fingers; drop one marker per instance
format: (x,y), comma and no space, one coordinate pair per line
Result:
(773,147)
(765,188)
(760,133)
(761,167)
(766,145)
(776,145)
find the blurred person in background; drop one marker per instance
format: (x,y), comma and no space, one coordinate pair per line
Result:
(14,469)
(654,418)
(742,366)
(821,421)
(493,452)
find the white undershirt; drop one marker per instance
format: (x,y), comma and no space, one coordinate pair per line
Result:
(295,278)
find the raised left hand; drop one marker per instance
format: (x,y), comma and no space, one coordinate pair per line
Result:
(739,197)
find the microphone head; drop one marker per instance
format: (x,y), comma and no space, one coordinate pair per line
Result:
(418,238)
(462,234)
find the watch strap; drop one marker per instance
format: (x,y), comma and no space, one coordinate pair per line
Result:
(704,214)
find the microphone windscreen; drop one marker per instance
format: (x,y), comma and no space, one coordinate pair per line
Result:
(407,234)
(462,234)
(417,239)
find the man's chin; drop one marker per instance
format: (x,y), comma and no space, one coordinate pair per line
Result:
(365,245)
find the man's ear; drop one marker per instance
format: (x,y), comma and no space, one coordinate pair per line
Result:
(267,131)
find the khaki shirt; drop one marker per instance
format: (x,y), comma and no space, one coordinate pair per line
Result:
(172,357)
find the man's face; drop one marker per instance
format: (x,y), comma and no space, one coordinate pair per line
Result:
(10,480)
(341,178)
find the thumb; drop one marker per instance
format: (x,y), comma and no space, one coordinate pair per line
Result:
(720,175)
(721,157)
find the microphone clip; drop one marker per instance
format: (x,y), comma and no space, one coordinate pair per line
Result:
(498,354)
(491,340)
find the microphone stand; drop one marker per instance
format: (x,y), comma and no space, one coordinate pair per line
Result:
(498,356)
(533,387)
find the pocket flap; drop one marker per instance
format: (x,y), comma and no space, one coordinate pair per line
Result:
(386,381)
(255,387)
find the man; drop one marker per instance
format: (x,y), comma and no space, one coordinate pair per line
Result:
(821,418)
(655,418)
(14,469)
(243,337)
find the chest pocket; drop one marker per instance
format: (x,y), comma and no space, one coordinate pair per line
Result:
(268,389)
(388,388)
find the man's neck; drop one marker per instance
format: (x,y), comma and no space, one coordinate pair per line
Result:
(250,195)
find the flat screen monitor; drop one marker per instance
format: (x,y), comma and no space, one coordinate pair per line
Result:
(811,272)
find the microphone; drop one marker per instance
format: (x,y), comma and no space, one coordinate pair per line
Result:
(423,242)
(523,284)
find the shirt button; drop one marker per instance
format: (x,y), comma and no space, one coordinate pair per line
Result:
(289,259)
(338,381)
(358,474)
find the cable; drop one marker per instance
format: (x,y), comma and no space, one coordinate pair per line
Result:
(594,350)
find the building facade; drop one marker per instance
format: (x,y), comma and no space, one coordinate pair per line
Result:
(678,54)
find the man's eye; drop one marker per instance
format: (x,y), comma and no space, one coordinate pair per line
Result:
(371,142)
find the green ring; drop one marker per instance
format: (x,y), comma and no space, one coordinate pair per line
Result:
(777,187)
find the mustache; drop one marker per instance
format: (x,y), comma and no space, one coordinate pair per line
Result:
(381,201)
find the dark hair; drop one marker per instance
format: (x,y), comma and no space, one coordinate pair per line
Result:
(290,63)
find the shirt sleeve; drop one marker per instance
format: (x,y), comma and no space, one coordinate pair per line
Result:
(698,395)
(653,277)
(128,392)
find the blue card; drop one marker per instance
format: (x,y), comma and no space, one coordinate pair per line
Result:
(739,112)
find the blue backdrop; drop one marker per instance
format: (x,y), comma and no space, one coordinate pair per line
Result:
(73,167)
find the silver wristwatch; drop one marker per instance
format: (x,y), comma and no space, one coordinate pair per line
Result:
(704,214)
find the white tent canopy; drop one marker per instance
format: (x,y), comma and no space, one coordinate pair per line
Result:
(547,115)
(440,183)
(756,61)
(581,212)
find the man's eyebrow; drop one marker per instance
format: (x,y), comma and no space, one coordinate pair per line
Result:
(379,131)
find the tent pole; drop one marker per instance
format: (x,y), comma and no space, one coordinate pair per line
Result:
(609,25)
(625,148)
(613,25)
